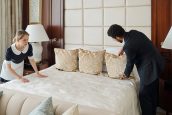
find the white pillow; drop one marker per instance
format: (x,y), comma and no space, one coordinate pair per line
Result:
(113,50)
(72,110)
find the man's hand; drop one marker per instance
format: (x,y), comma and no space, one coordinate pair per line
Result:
(41,75)
(121,52)
(123,77)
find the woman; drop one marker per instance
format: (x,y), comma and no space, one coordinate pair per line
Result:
(13,64)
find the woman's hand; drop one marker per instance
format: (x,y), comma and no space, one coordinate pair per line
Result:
(24,80)
(41,75)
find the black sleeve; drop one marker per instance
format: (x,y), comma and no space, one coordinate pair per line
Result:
(8,55)
(30,51)
(130,53)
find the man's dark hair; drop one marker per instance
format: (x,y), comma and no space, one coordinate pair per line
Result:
(115,30)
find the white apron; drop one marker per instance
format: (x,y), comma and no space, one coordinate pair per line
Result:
(7,75)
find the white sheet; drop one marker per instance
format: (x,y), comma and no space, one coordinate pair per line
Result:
(115,95)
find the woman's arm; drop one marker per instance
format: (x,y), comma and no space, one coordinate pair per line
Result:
(32,62)
(16,75)
(13,72)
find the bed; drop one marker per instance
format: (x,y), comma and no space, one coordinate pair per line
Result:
(118,96)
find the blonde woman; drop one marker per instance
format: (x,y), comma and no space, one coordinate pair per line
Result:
(13,65)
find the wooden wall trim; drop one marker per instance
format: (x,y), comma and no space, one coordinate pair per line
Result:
(46,21)
(46,16)
(25,14)
(171,11)
(160,20)
(153,20)
(62,23)
(57,27)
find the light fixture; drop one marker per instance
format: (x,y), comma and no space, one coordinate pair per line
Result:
(167,44)
(37,35)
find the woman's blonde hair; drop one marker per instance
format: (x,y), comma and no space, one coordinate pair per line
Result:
(19,35)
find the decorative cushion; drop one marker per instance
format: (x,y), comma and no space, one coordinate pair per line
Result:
(72,110)
(115,65)
(66,59)
(91,62)
(44,108)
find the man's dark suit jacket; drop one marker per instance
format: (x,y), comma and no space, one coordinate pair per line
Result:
(141,52)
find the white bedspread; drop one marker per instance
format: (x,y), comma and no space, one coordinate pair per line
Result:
(115,95)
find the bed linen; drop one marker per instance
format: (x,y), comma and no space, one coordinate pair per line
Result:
(118,96)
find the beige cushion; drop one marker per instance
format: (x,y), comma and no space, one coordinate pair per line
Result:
(72,110)
(91,62)
(115,65)
(66,59)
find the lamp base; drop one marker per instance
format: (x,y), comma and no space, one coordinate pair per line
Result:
(37,51)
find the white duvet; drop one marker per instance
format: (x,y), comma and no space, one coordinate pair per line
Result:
(102,92)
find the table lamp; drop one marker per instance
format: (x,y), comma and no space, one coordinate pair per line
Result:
(37,35)
(167,44)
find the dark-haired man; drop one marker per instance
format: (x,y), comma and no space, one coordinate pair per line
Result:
(141,52)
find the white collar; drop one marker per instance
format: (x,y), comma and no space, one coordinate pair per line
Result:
(17,52)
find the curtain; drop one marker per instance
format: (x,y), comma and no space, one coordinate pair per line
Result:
(10,22)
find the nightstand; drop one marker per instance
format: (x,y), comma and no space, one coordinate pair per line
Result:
(165,95)
(28,68)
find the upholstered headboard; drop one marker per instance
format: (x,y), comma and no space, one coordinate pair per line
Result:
(87,21)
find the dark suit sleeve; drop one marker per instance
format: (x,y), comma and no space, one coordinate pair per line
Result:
(130,60)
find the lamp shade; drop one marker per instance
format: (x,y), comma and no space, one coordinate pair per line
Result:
(37,33)
(167,44)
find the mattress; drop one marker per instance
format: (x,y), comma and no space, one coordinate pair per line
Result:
(118,96)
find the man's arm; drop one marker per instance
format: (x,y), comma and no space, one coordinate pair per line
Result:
(131,55)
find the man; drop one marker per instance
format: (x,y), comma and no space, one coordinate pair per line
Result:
(141,52)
